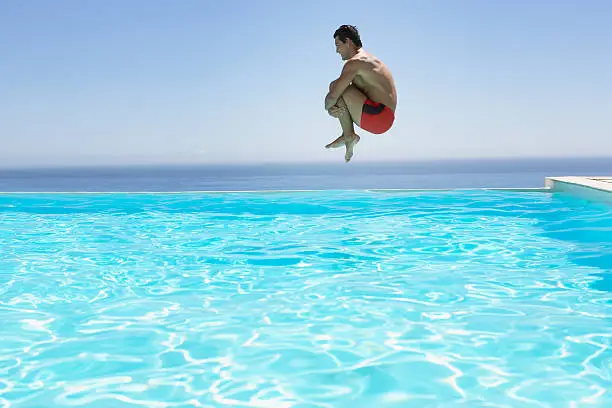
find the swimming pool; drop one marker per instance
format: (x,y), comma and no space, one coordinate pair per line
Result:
(305,299)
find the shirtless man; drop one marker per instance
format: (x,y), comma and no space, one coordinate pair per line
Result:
(364,94)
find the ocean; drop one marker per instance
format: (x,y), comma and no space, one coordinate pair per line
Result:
(435,174)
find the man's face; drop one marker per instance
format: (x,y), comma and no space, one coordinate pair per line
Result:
(342,48)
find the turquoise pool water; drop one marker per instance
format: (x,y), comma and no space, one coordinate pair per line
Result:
(307,299)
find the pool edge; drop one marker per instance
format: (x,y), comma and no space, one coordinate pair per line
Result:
(596,188)
(513,189)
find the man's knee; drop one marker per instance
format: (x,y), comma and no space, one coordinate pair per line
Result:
(341,102)
(331,85)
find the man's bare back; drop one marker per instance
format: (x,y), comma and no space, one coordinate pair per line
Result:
(363,95)
(374,79)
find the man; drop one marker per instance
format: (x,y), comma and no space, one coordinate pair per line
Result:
(364,94)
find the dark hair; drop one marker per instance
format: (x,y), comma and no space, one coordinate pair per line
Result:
(348,31)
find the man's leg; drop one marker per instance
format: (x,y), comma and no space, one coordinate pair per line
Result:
(346,123)
(351,101)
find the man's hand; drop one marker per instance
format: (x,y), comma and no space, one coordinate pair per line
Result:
(336,111)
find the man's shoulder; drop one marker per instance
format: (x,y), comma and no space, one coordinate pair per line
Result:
(359,62)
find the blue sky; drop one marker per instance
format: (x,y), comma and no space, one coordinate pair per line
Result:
(120,82)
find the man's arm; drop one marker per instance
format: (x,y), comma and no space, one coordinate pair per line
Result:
(346,77)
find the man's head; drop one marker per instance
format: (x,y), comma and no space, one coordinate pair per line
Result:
(347,41)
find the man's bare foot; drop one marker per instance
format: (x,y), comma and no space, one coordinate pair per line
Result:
(350,143)
(339,142)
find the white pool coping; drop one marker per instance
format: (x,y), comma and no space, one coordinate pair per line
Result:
(597,188)
(603,183)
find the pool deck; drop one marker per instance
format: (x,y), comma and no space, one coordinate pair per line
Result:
(588,187)
(598,183)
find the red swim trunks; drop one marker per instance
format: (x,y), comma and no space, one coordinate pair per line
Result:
(375,117)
